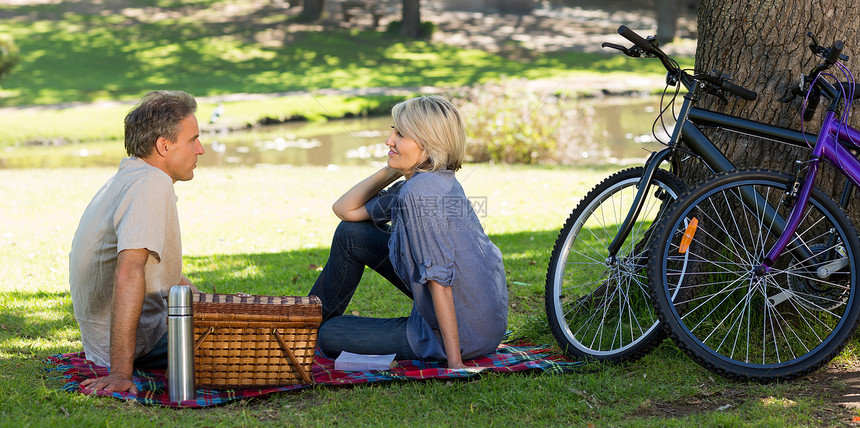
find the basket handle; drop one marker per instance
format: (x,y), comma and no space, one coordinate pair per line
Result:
(202,338)
(292,357)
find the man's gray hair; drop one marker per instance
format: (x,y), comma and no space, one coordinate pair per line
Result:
(157,115)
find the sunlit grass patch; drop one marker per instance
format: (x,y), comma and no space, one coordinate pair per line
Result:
(32,322)
(72,53)
(230,218)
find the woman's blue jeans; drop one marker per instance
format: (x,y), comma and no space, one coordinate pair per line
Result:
(354,246)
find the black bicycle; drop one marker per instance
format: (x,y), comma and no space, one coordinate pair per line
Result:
(597,299)
(769,262)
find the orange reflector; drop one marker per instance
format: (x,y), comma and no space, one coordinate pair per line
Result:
(688,235)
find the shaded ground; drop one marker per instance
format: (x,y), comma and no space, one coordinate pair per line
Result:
(576,25)
(838,386)
(554,26)
(580,25)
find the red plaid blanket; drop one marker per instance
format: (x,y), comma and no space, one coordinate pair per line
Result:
(151,384)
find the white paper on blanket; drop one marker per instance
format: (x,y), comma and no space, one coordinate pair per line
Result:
(347,361)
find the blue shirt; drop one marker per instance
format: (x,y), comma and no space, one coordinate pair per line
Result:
(436,235)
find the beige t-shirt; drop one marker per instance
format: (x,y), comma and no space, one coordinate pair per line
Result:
(135,209)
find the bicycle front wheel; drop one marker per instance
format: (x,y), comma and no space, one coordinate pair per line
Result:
(597,308)
(730,315)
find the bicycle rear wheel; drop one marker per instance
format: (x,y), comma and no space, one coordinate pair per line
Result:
(739,321)
(600,309)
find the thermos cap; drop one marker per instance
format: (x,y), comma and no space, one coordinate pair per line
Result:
(179,300)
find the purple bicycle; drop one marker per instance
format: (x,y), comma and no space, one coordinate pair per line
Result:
(754,273)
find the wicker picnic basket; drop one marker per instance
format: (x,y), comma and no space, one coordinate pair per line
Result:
(244,341)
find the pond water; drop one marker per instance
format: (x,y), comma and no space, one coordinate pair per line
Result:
(619,130)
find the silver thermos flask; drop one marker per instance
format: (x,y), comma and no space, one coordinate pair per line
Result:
(180,348)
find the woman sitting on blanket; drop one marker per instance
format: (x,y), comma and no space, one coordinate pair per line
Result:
(423,236)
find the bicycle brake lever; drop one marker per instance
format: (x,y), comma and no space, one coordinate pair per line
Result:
(629,52)
(789,96)
(814,46)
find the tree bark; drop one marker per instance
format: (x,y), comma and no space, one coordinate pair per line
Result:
(410,25)
(763,45)
(312,10)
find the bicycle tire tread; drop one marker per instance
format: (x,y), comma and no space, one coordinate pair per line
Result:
(658,335)
(779,373)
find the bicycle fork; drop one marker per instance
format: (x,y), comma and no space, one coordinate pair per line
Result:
(835,260)
(651,165)
(830,149)
(654,161)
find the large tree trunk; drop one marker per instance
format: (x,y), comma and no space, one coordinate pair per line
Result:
(763,45)
(411,22)
(312,10)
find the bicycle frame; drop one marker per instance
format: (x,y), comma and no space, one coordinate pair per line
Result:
(715,297)
(828,145)
(691,118)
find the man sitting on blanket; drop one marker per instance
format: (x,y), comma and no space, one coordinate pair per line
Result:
(127,250)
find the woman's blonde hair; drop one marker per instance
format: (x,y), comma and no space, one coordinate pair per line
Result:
(436,125)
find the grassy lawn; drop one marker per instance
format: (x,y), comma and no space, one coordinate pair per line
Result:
(110,54)
(266,230)
(72,53)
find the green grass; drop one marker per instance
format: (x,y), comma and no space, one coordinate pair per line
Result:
(74,53)
(267,230)
(90,57)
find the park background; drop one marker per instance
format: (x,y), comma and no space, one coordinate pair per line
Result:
(257,219)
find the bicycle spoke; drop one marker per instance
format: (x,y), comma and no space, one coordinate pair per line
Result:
(739,315)
(599,306)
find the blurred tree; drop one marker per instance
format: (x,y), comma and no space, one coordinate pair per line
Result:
(668,12)
(312,10)
(9,55)
(667,20)
(411,22)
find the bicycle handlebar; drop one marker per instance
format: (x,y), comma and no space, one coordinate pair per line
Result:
(649,46)
(636,39)
(739,91)
(834,52)
(822,87)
